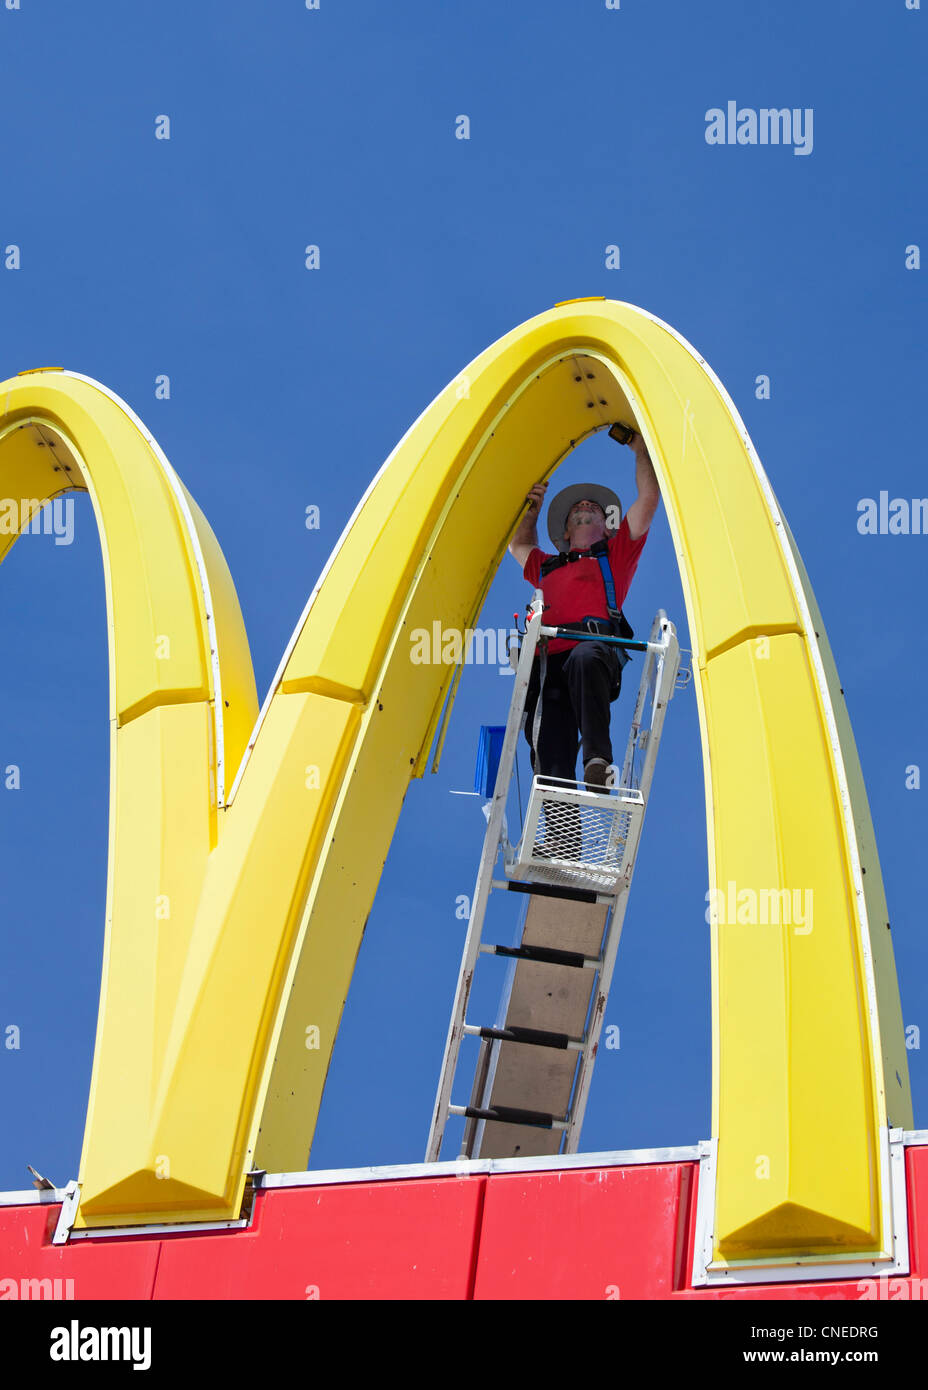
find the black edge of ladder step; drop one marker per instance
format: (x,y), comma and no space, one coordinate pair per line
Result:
(553,890)
(548,955)
(538,1037)
(510,1116)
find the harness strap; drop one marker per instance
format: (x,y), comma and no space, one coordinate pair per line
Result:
(617,616)
(610,586)
(569,557)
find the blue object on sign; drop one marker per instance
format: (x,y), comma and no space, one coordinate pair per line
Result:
(489,749)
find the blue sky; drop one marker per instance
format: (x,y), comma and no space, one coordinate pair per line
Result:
(289,388)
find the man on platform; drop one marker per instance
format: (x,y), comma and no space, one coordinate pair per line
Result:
(582,678)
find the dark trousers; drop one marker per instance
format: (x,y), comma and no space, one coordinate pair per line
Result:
(579,686)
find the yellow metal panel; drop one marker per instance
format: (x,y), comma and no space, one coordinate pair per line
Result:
(891,1061)
(161,827)
(236,956)
(62,432)
(160,655)
(787,917)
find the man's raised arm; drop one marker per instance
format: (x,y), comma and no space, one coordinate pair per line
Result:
(641,513)
(526,534)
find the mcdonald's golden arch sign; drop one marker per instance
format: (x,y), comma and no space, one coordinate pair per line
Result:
(237,894)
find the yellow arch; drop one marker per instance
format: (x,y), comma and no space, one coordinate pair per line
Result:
(272,889)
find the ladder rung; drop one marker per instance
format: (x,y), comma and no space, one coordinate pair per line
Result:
(538,1037)
(548,955)
(555,890)
(506,1114)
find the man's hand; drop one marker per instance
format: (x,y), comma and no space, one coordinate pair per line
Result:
(526,537)
(536,496)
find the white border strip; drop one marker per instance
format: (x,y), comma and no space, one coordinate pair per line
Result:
(32,1197)
(807,1267)
(684,1153)
(702,1153)
(176,1228)
(67,1215)
(464,1167)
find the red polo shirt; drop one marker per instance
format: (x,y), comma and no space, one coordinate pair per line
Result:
(575,591)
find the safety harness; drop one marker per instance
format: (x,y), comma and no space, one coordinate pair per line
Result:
(618,623)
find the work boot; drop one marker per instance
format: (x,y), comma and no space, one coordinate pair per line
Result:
(595,773)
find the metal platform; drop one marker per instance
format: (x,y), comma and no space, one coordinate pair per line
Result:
(578,838)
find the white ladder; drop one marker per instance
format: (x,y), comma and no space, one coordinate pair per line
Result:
(574,862)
